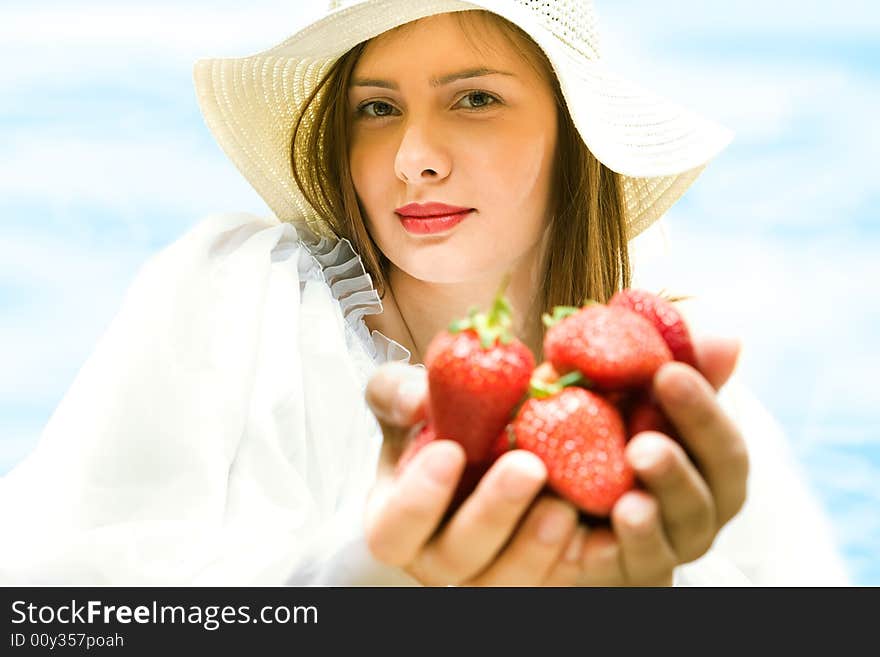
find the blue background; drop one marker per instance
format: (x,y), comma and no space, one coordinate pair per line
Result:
(104,159)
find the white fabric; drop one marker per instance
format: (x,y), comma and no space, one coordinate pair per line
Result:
(218,434)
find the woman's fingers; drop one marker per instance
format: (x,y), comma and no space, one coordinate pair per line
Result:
(494,540)
(686,504)
(535,548)
(710,435)
(567,569)
(397,394)
(601,560)
(716,358)
(646,556)
(485,521)
(404,512)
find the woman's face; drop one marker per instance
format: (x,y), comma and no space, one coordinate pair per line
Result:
(485,142)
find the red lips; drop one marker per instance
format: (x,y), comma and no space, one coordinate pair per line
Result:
(422,210)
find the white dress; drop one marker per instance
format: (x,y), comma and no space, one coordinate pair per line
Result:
(218,435)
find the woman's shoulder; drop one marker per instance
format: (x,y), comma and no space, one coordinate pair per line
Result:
(232,235)
(331,276)
(217,236)
(222,239)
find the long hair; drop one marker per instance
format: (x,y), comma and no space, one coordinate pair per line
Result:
(587,255)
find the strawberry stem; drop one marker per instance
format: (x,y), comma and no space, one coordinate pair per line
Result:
(559,313)
(492,326)
(541,389)
(673,298)
(572,378)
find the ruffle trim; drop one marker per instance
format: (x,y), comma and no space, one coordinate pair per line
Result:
(342,269)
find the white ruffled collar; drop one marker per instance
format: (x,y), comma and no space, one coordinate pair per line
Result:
(350,284)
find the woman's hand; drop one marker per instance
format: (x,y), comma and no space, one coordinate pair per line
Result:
(686,503)
(689,494)
(500,535)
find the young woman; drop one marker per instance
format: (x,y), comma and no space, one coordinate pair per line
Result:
(230,426)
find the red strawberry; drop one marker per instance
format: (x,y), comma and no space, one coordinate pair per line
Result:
(470,477)
(477,374)
(423,437)
(664,316)
(580,437)
(613,347)
(503,443)
(646,415)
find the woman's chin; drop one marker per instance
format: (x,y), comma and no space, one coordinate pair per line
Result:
(462,270)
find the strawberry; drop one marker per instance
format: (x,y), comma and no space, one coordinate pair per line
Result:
(422,437)
(478,372)
(581,438)
(644,414)
(503,443)
(544,381)
(470,477)
(664,316)
(613,347)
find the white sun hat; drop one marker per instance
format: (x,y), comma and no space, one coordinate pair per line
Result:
(251,104)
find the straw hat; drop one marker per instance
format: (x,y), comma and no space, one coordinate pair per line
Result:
(251,103)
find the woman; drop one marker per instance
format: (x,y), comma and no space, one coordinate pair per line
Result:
(419,142)
(229,427)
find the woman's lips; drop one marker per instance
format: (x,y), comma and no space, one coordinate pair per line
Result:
(431,225)
(430,209)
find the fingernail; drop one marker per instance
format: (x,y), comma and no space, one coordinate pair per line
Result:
(644,453)
(409,395)
(520,481)
(575,546)
(636,514)
(442,467)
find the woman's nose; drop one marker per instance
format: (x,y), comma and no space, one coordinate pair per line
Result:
(421,156)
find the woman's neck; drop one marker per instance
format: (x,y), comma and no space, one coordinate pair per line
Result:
(414,311)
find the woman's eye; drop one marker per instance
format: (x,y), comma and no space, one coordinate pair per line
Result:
(480,99)
(378,109)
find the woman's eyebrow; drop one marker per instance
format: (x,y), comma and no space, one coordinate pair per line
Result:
(435,82)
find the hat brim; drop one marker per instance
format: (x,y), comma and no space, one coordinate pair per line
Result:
(251,105)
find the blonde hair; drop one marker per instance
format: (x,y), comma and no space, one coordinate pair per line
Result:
(587,254)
